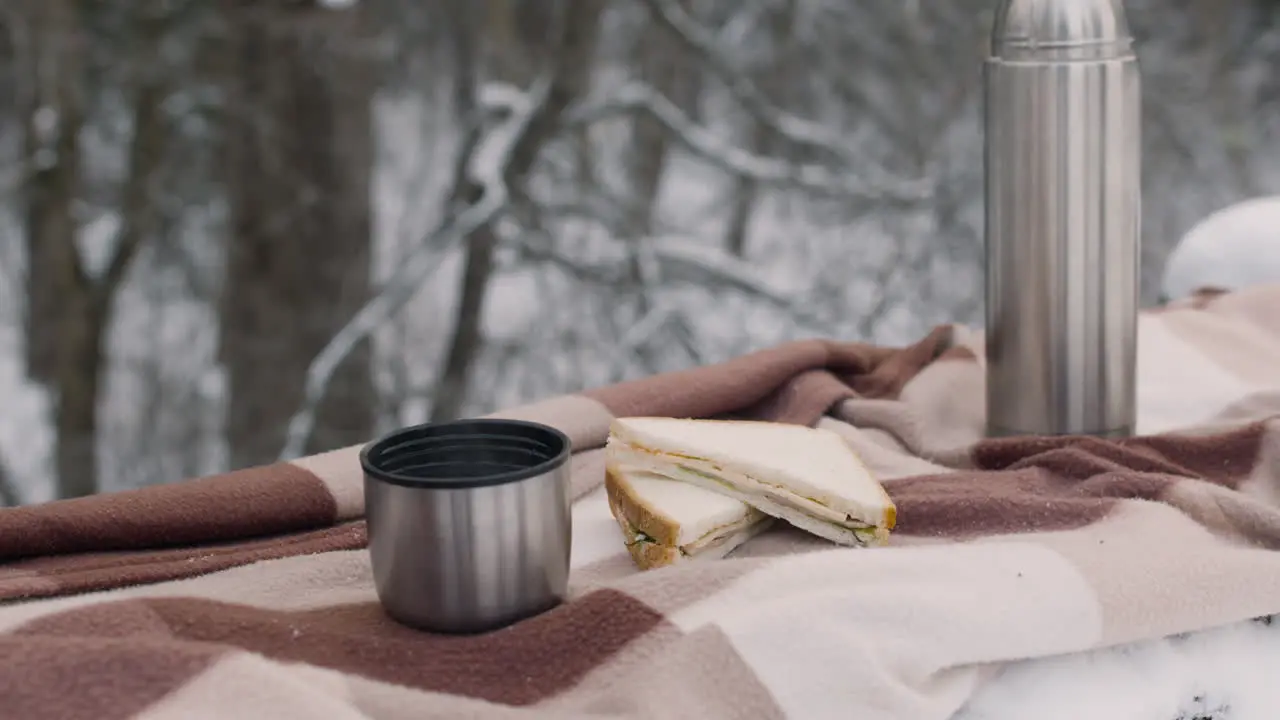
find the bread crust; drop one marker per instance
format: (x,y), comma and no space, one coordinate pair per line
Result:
(634,517)
(639,517)
(647,555)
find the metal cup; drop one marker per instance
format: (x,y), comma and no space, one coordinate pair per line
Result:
(469,522)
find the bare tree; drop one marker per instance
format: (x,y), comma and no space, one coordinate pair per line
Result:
(299,157)
(665,64)
(569,71)
(776,81)
(417,266)
(70,303)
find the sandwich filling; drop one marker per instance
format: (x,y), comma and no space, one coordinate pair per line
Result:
(717,542)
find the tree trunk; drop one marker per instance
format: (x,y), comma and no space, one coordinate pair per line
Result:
(299,151)
(776,82)
(53,118)
(88,302)
(79,375)
(64,326)
(9,494)
(69,311)
(668,66)
(467,339)
(744,195)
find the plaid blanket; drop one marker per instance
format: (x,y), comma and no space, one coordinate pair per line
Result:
(249,594)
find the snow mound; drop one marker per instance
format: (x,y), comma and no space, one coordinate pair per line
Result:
(1232,248)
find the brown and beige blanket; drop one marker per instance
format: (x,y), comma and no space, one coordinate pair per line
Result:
(248,595)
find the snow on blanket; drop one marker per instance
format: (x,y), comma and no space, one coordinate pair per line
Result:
(249,594)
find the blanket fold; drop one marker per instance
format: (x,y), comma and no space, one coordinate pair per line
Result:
(250,593)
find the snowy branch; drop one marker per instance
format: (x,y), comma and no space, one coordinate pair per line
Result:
(487,167)
(773,171)
(677,260)
(500,97)
(736,160)
(795,130)
(641,333)
(707,266)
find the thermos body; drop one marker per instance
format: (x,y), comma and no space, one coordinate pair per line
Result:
(1063,209)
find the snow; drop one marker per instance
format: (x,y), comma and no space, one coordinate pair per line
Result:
(1221,674)
(97,242)
(1230,249)
(512,305)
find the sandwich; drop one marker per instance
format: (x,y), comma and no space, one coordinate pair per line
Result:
(805,476)
(666,521)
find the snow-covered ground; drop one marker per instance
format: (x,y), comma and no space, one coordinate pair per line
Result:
(1222,674)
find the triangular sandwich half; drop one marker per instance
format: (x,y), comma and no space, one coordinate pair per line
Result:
(664,521)
(806,476)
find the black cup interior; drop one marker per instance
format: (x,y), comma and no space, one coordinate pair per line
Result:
(465,453)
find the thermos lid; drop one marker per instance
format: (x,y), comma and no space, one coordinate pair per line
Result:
(1033,30)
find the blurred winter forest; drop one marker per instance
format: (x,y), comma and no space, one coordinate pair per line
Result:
(233,230)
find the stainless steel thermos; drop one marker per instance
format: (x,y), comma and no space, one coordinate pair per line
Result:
(1063,206)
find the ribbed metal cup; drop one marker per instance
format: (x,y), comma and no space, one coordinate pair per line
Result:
(469,522)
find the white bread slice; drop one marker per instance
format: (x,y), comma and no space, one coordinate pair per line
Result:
(809,477)
(664,521)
